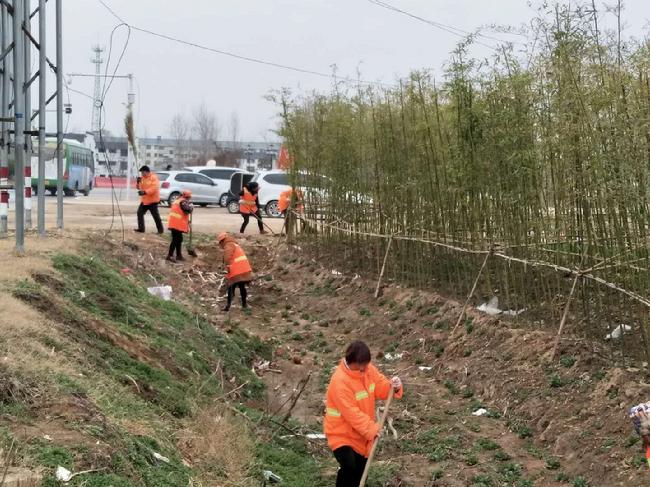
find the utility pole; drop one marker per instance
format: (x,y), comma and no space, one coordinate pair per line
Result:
(97,95)
(5,97)
(130,149)
(19,123)
(27,23)
(59,114)
(42,93)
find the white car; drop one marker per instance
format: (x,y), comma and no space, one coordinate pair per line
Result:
(220,175)
(272,184)
(172,184)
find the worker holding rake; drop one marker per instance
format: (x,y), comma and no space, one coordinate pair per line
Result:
(239,270)
(350,424)
(178,224)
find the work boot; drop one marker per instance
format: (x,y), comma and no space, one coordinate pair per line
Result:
(226,308)
(137,230)
(263,232)
(161,232)
(171,258)
(180,258)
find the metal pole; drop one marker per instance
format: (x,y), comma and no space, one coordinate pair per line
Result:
(19,124)
(42,98)
(4,113)
(27,46)
(59,114)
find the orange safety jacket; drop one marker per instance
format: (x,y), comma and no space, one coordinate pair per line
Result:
(350,413)
(285,200)
(238,264)
(151,186)
(247,203)
(178,219)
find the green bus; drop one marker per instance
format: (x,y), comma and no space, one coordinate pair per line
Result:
(78,168)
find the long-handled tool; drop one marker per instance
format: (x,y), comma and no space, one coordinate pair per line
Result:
(374,445)
(190,247)
(262,222)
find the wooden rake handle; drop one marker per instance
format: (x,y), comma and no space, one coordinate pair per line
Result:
(376,442)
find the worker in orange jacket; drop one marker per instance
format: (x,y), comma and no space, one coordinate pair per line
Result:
(249,204)
(149,190)
(350,424)
(239,270)
(179,223)
(290,200)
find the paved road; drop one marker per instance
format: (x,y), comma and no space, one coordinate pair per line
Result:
(99,210)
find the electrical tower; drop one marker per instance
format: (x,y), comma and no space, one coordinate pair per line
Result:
(97,95)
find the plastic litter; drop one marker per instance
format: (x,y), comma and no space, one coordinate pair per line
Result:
(618,331)
(63,474)
(271,477)
(162,292)
(82,294)
(315,436)
(336,273)
(480,412)
(425,369)
(393,356)
(160,458)
(492,308)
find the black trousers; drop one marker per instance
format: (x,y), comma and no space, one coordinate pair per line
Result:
(177,243)
(142,210)
(242,292)
(351,468)
(247,217)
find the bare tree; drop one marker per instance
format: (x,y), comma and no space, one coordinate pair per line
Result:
(206,129)
(179,130)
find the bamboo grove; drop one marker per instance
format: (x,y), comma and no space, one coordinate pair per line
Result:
(539,156)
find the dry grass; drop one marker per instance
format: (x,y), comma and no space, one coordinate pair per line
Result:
(220,445)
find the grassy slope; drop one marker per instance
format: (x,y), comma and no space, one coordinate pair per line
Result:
(147,369)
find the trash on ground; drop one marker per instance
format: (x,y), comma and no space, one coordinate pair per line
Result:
(336,273)
(160,458)
(424,368)
(82,294)
(162,292)
(393,356)
(480,412)
(63,474)
(271,477)
(618,331)
(492,308)
(315,436)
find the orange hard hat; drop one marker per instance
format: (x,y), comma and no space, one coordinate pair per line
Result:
(222,236)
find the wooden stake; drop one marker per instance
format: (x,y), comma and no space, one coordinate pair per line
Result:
(374,445)
(564,315)
(471,293)
(383,267)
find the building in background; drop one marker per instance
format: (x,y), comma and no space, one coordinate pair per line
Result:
(158,153)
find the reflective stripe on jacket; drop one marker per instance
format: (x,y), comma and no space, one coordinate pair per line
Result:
(151,187)
(350,412)
(178,219)
(238,264)
(248,203)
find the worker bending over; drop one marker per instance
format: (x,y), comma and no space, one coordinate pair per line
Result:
(179,223)
(249,204)
(350,424)
(640,416)
(290,201)
(238,268)
(149,191)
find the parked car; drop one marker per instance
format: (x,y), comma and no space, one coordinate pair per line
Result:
(204,191)
(272,184)
(220,175)
(237,182)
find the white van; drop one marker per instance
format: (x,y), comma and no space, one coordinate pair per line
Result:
(220,175)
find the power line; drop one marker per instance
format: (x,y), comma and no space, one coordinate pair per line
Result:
(444,27)
(239,56)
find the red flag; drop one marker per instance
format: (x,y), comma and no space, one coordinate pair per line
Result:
(284,159)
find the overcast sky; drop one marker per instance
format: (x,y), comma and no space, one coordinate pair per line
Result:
(310,34)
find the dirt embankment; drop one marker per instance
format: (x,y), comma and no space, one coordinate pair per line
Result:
(546,424)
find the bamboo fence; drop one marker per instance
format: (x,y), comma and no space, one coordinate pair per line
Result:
(539,156)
